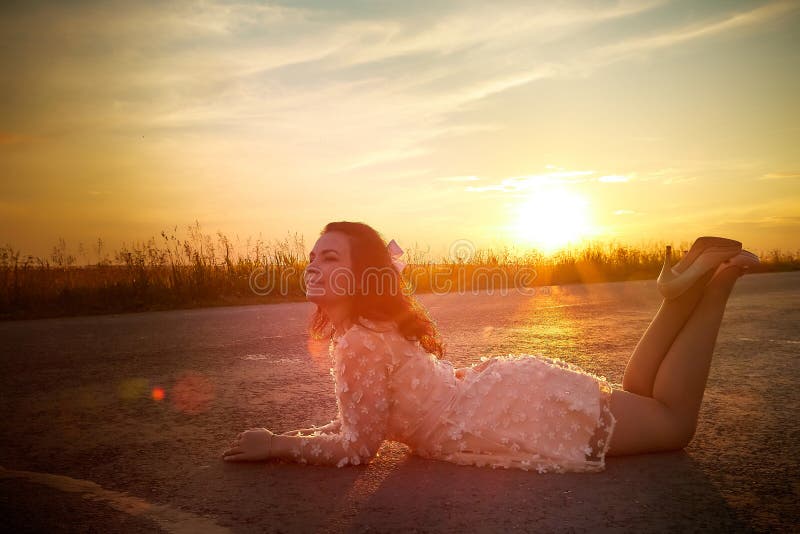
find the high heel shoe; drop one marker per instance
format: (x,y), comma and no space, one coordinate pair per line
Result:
(672,283)
(700,244)
(744,259)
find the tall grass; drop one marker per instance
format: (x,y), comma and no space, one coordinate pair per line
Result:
(199,269)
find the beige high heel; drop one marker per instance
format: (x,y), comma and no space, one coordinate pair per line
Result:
(744,259)
(700,244)
(673,283)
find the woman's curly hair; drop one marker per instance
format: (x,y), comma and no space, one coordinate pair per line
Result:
(371,299)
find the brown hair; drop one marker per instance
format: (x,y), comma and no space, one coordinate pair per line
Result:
(369,254)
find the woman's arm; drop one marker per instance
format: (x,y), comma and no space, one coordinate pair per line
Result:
(323,449)
(361,377)
(329,428)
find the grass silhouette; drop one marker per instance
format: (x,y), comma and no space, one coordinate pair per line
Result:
(198,269)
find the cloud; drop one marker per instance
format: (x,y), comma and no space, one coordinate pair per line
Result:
(480,25)
(556,175)
(387,156)
(521,183)
(638,45)
(219,66)
(772,221)
(346,90)
(614,178)
(458,179)
(779,176)
(690,170)
(678,180)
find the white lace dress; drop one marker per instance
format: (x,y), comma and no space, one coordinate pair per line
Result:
(523,411)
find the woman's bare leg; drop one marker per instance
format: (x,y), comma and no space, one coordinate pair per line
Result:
(642,367)
(668,419)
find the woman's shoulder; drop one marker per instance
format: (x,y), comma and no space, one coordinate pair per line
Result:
(370,332)
(364,326)
(364,329)
(376,325)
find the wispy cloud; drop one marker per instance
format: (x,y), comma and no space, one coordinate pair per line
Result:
(387,156)
(221,66)
(521,183)
(458,179)
(480,25)
(770,221)
(557,176)
(614,178)
(670,38)
(779,176)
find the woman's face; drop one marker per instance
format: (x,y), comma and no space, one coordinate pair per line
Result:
(329,276)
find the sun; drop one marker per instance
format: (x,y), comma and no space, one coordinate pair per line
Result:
(550,219)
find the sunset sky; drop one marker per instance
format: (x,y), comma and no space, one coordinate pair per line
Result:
(518,123)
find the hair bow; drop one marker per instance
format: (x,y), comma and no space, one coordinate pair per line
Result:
(395,252)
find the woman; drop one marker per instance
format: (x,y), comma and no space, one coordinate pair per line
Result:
(528,412)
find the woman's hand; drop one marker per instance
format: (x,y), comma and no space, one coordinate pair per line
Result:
(250,445)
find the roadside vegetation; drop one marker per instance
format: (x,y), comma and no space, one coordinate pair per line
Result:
(197,269)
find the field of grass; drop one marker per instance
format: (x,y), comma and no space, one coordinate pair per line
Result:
(199,269)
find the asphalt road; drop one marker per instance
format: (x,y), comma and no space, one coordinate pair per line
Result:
(116,423)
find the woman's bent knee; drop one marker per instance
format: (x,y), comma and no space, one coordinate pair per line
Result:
(645,425)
